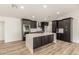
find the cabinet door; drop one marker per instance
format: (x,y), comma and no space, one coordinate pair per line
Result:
(43,40)
(51,38)
(27,22)
(60,24)
(42,26)
(33,24)
(36,42)
(54,25)
(67,28)
(67,37)
(46,39)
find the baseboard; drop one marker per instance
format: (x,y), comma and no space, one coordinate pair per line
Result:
(13,41)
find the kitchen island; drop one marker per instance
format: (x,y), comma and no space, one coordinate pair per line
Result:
(37,40)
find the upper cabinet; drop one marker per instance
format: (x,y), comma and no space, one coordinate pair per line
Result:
(43,24)
(26,21)
(33,24)
(63,29)
(54,26)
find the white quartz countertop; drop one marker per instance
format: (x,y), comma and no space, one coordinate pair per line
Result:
(39,34)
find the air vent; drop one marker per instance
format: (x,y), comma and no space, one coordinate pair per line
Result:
(14,6)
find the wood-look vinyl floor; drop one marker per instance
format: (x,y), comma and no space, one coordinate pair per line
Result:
(19,48)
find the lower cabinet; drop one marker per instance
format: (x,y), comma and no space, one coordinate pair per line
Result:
(36,42)
(60,36)
(46,39)
(42,40)
(50,38)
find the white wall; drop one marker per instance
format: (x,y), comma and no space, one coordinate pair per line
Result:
(1,31)
(49,28)
(75,25)
(13,31)
(12,28)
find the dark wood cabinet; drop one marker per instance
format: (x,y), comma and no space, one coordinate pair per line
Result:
(67,29)
(43,24)
(50,37)
(36,42)
(60,24)
(33,24)
(64,24)
(54,26)
(46,39)
(42,40)
(28,22)
(60,36)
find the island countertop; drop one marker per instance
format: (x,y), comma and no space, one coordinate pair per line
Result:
(39,34)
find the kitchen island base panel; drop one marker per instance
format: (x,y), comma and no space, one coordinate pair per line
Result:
(34,41)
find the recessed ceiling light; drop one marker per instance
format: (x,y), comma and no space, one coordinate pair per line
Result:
(58,12)
(22,7)
(33,16)
(44,6)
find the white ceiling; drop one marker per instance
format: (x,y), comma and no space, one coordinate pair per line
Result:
(37,10)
